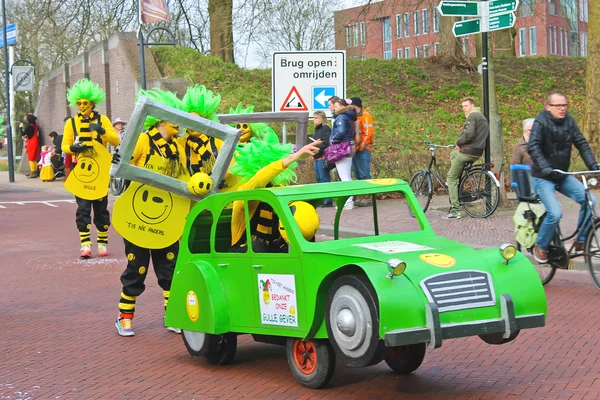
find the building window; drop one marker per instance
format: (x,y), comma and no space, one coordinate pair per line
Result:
(407,52)
(363,57)
(566,46)
(552,7)
(417,23)
(398,25)
(417,51)
(406,25)
(583,51)
(436,20)
(348,36)
(583,10)
(532,40)
(425,50)
(355,34)
(554,38)
(526,8)
(522,42)
(425,21)
(398,53)
(436,48)
(363,33)
(561,42)
(466,45)
(387,39)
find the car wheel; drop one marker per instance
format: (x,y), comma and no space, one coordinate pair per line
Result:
(497,338)
(405,359)
(217,349)
(352,321)
(312,362)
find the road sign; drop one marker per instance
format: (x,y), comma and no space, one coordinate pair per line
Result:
(458,8)
(320,96)
(503,21)
(297,77)
(22,78)
(497,7)
(468,27)
(293,102)
(11,35)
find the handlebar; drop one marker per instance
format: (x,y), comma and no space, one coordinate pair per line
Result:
(441,146)
(560,171)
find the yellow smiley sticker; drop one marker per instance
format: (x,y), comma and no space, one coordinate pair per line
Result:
(387,181)
(438,260)
(192,306)
(149,217)
(90,177)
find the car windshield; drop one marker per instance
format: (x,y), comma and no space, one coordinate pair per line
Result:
(370,215)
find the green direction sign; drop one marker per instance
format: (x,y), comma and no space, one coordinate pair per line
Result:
(469,27)
(501,21)
(458,8)
(497,7)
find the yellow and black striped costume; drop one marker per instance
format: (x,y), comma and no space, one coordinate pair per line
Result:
(78,128)
(201,152)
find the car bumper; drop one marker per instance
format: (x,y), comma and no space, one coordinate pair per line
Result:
(508,324)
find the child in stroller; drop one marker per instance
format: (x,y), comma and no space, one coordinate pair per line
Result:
(59,166)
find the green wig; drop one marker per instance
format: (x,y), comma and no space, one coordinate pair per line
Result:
(160,96)
(256,128)
(85,89)
(202,101)
(258,153)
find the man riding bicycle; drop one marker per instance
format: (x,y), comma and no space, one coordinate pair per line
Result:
(553,134)
(469,147)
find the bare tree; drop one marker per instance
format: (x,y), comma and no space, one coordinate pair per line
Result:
(591,119)
(221,29)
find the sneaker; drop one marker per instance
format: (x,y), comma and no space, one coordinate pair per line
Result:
(170,328)
(102,250)
(85,252)
(578,247)
(124,326)
(348,206)
(453,215)
(540,255)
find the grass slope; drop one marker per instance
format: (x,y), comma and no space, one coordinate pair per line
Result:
(411,100)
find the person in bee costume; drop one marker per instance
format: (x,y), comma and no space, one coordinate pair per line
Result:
(261,163)
(156,210)
(86,136)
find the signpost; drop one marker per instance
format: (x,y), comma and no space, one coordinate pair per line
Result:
(11,35)
(492,16)
(304,80)
(22,78)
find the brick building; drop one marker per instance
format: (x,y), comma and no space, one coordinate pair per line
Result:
(410,28)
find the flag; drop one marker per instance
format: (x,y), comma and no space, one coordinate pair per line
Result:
(153,11)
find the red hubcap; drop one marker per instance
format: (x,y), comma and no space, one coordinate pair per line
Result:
(305,356)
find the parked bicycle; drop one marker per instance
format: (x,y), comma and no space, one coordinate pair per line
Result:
(478,189)
(558,255)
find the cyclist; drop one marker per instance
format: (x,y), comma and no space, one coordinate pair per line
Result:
(469,147)
(553,134)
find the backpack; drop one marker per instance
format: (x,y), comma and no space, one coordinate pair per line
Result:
(527,218)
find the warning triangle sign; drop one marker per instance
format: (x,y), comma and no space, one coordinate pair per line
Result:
(293,102)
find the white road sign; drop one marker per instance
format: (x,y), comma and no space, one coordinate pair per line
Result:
(23,78)
(305,80)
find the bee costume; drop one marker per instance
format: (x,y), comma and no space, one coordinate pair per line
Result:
(86,136)
(159,211)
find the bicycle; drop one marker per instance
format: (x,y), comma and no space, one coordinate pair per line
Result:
(478,189)
(558,255)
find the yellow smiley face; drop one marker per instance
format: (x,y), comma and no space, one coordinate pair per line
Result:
(246,132)
(200,184)
(192,306)
(438,260)
(152,206)
(87,170)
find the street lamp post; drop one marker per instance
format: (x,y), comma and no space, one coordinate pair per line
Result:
(145,42)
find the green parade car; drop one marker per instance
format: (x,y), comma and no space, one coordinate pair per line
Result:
(384,292)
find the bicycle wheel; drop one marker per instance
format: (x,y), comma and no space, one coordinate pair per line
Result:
(592,252)
(421,185)
(116,186)
(545,271)
(478,194)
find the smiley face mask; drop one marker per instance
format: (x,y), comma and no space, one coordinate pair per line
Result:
(149,217)
(89,179)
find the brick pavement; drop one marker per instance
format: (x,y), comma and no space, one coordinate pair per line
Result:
(58,338)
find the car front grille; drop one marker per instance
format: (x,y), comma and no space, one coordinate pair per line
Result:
(459,290)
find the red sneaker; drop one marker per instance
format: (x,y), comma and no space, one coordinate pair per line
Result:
(102,250)
(85,252)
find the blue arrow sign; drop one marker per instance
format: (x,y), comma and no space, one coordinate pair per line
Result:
(11,35)
(320,96)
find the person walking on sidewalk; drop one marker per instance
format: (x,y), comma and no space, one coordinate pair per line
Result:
(469,147)
(31,134)
(553,134)
(363,141)
(322,133)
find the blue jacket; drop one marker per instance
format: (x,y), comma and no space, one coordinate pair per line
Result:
(343,126)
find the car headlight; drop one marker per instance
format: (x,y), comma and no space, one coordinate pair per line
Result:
(396,267)
(508,251)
